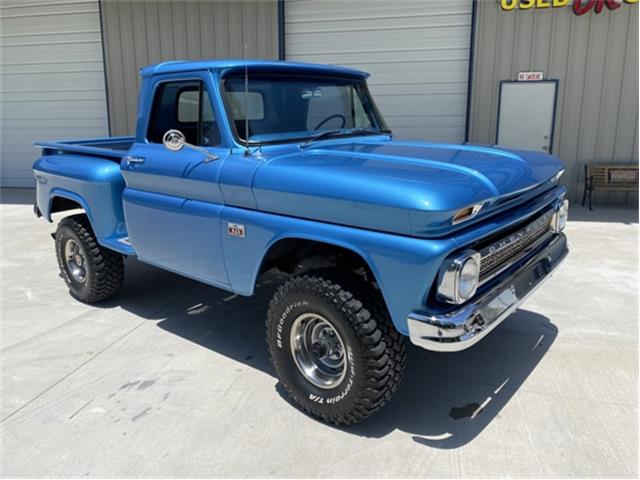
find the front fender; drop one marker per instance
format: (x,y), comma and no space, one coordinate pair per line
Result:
(404,267)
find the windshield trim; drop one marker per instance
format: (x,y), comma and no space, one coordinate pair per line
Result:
(376,115)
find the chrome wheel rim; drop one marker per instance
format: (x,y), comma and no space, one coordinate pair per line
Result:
(318,350)
(75,260)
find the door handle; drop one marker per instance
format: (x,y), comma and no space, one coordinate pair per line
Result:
(133,160)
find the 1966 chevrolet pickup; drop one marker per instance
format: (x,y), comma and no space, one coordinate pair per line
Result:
(242,167)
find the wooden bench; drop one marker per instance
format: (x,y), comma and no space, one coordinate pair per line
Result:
(618,178)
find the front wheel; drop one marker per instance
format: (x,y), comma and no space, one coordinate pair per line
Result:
(92,273)
(338,356)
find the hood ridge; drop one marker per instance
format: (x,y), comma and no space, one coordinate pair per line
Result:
(415,160)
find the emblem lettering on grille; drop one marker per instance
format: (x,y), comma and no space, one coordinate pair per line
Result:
(499,252)
(235,230)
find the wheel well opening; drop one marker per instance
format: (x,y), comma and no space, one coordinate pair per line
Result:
(295,256)
(62,204)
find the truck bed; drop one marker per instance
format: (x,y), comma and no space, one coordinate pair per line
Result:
(110,147)
(87,172)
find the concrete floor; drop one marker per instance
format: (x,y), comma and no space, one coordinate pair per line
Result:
(172,378)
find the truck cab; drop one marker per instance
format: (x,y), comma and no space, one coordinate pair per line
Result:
(241,167)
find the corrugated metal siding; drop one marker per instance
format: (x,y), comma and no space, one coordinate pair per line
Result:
(51,79)
(139,33)
(595,58)
(416,51)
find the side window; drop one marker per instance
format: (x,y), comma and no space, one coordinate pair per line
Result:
(188,105)
(209,133)
(184,106)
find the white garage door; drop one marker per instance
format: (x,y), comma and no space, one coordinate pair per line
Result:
(416,51)
(51,79)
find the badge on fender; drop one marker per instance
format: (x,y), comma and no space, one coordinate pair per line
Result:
(235,230)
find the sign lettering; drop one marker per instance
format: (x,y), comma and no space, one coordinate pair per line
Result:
(580,7)
(530,76)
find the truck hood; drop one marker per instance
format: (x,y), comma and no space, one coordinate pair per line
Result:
(404,187)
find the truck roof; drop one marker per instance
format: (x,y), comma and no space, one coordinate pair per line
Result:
(227,66)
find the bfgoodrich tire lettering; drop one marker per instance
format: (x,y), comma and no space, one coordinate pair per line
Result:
(374,351)
(103,269)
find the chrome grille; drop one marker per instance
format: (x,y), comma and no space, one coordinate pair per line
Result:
(497,254)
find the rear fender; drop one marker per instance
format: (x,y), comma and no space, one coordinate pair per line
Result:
(93,183)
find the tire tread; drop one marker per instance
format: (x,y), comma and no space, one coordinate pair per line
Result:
(107,265)
(382,346)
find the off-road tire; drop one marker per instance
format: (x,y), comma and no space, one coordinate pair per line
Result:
(104,267)
(377,355)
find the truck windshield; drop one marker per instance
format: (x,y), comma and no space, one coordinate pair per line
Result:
(295,108)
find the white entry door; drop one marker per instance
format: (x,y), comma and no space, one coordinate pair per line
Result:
(525,115)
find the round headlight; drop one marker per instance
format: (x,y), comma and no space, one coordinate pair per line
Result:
(459,277)
(468,279)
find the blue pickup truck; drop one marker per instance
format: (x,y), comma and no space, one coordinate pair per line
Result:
(239,168)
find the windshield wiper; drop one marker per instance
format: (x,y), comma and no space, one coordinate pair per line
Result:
(341,131)
(321,135)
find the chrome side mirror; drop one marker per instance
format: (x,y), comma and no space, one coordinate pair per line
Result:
(175,141)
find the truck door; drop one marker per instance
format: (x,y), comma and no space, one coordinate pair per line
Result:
(172,200)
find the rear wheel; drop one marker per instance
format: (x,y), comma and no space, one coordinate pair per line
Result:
(337,354)
(92,273)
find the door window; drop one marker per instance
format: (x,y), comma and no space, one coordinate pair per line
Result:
(184,106)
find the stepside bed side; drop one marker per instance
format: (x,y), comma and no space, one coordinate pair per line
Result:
(92,182)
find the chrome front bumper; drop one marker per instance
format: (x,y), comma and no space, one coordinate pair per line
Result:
(458,330)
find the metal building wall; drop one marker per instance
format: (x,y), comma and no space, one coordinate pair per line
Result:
(595,58)
(142,32)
